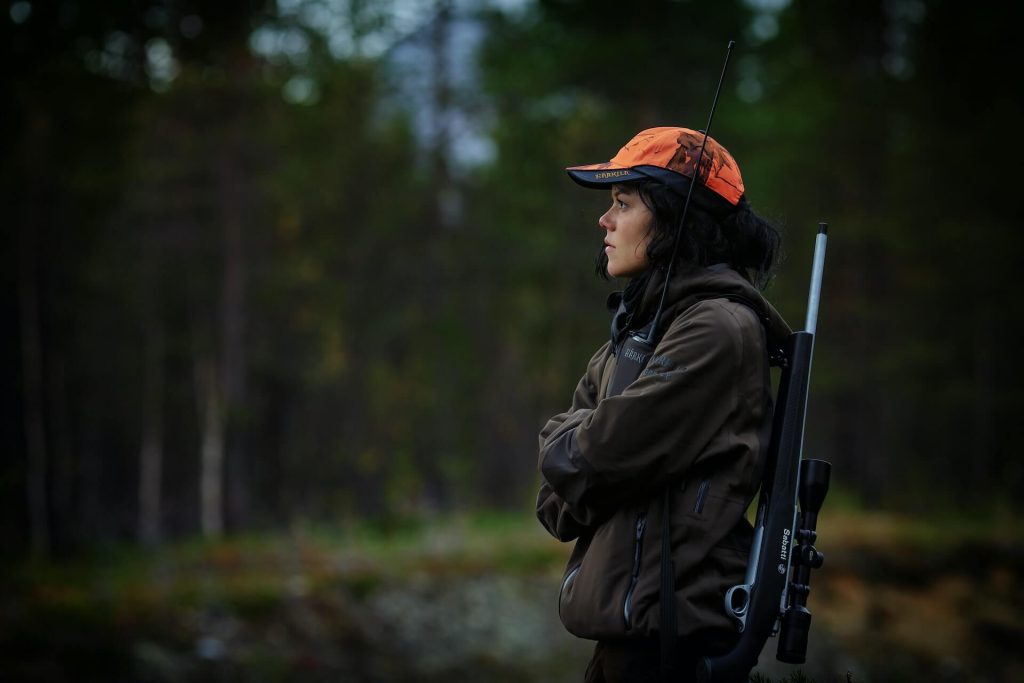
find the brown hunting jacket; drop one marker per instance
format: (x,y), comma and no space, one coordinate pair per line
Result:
(697,420)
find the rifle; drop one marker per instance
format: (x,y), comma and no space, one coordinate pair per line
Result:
(773,598)
(637,349)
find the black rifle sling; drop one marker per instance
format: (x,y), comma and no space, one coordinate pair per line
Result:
(668,594)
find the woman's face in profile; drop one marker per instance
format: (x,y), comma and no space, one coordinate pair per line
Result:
(627,232)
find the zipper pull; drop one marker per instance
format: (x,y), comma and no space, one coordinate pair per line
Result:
(641,524)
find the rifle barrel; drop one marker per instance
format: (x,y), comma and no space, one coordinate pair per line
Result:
(814,296)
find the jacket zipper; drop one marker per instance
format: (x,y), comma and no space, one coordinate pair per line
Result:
(568,579)
(702,492)
(565,583)
(627,607)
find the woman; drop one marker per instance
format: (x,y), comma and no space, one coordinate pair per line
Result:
(695,423)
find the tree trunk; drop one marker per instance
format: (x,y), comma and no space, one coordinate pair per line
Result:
(63,521)
(151,449)
(211,451)
(440,446)
(32,391)
(233,318)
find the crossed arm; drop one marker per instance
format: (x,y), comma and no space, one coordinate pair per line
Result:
(603,453)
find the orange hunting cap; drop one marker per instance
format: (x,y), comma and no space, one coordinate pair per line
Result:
(668,155)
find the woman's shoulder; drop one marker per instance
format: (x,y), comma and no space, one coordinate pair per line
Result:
(714,327)
(724,314)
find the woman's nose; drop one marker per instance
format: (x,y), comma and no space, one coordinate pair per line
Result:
(605,220)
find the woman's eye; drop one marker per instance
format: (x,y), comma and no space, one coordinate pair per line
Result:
(622,204)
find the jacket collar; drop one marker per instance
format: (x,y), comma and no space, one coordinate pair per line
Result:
(635,306)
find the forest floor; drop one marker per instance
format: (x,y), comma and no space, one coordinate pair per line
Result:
(473,598)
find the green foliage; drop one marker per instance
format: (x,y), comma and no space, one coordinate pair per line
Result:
(284,212)
(390,323)
(331,591)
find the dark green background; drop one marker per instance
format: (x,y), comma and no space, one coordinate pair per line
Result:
(360,244)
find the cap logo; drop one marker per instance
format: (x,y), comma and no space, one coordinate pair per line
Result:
(610,174)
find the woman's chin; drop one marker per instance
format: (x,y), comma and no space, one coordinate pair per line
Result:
(619,271)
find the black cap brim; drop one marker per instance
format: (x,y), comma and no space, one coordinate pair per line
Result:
(603,178)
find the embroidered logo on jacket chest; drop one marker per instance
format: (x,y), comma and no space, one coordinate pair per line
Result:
(659,365)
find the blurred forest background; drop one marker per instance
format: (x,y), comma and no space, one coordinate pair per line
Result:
(274,266)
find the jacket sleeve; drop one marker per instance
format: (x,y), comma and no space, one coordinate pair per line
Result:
(627,446)
(562,520)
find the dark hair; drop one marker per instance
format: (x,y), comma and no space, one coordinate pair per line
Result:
(715,232)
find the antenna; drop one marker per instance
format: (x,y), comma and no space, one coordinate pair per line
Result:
(637,349)
(653,334)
